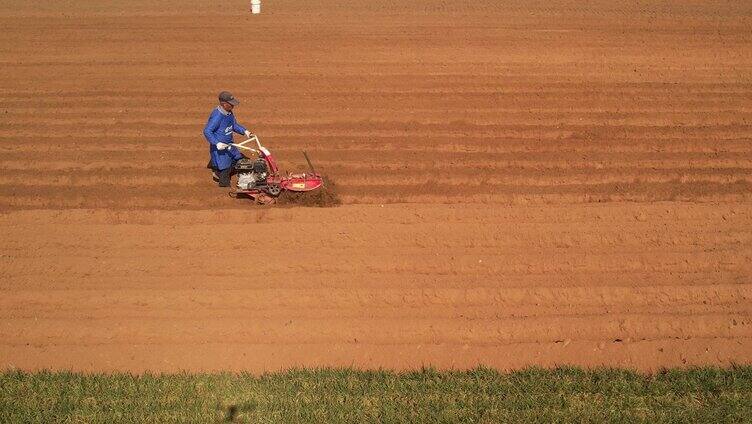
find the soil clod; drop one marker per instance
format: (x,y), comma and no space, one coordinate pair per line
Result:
(324,197)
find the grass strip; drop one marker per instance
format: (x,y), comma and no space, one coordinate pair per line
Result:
(351,396)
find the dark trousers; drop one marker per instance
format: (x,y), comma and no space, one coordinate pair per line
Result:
(224,174)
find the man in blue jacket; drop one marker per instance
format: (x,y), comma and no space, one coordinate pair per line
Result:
(218,132)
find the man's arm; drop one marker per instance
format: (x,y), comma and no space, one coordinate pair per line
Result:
(211,127)
(239,128)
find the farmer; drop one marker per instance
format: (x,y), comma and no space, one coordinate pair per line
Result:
(218,132)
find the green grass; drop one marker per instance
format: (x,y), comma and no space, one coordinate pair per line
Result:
(708,395)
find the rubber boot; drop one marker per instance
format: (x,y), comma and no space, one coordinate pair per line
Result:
(214,171)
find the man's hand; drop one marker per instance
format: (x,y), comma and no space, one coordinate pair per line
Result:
(248,134)
(222,146)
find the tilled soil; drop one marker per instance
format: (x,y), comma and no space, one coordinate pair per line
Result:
(521,183)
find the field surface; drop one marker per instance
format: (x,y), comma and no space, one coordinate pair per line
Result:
(523,183)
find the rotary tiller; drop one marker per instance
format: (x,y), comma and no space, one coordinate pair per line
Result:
(260,179)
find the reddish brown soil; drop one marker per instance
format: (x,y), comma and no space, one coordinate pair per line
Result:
(537,182)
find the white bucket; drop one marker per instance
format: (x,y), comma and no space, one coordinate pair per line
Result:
(255,6)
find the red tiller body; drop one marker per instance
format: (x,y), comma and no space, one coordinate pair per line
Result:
(291,182)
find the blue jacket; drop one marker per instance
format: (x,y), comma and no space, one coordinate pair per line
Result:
(219,128)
